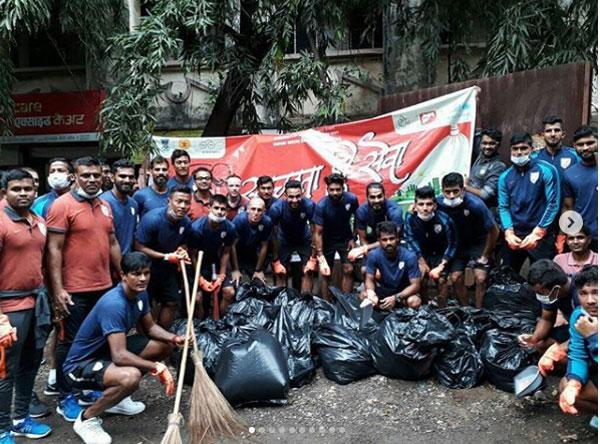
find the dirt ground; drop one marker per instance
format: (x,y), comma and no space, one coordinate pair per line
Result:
(374,410)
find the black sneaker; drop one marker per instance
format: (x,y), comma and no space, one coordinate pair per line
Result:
(37,408)
(51,390)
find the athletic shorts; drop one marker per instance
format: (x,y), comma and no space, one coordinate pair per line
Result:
(384,292)
(464,255)
(165,284)
(329,250)
(89,374)
(286,251)
(435,260)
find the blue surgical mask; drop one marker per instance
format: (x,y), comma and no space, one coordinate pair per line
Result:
(453,202)
(520,160)
(426,218)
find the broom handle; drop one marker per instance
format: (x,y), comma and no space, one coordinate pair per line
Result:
(190,322)
(186,286)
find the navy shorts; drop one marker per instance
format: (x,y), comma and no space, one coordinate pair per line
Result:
(286,251)
(165,284)
(330,248)
(89,374)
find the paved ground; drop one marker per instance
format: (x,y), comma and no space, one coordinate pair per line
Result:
(375,410)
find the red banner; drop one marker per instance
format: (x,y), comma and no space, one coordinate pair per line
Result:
(403,150)
(57,113)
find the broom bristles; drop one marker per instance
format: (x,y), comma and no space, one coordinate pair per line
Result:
(173,434)
(211,416)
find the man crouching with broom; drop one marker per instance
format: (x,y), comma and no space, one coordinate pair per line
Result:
(103,357)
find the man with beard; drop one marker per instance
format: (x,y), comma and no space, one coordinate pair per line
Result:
(400,279)
(157,194)
(180,159)
(579,388)
(264,189)
(555,153)
(124,208)
(477,234)
(235,201)
(292,219)
(528,202)
(580,182)
(201,197)
(376,209)
(333,232)
(580,254)
(431,235)
(483,178)
(249,252)
(60,178)
(214,235)
(163,235)
(107,179)
(22,242)
(78,221)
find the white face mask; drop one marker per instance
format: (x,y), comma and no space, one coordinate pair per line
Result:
(88,196)
(453,202)
(59,181)
(519,161)
(549,298)
(216,219)
(426,217)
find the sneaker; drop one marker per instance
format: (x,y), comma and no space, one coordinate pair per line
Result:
(127,407)
(90,431)
(30,428)
(88,397)
(51,390)
(6,438)
(37,408)
(69,409)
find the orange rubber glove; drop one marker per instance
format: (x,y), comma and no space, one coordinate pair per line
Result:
(216,285)
(205,285)
(532,240)
(324,266)
(568,396)
(311,265)
(357,252)
(512,240)
(8,336)
(555,353)
(561,240)
(278,267)
(436,272)
(165,377)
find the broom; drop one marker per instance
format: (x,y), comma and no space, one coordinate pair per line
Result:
(211,416)
(173,434)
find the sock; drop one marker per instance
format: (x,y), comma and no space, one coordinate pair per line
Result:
(52,376)
(16,422)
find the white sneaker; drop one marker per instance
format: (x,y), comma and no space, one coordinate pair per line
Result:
(90,431)
(127,407)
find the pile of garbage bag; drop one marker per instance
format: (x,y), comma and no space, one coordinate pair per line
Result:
(272,339)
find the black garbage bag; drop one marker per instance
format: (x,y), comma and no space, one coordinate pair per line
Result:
(519,321)
(508,291)
(253,372)
(473,321)
(408,341)
(344,354)
(257,289)
(504,358)
(459,365)
(348,312)
(324,312)
(250,310)
(295,340)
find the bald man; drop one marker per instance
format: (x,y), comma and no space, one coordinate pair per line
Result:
(253,231)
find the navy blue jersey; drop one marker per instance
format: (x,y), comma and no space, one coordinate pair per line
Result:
(335,217)
(435,237)
(210,240)
(125,219)
(395,272)
(580,183)
(148,199)
(251,236)
(564,159)
(472,219)
(528,197)
(159,233)
(113,313)
(367,218)
(173,182)
(293,226)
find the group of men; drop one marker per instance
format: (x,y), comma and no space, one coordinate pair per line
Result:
(107,257)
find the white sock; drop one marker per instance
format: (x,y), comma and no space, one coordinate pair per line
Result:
(52,376)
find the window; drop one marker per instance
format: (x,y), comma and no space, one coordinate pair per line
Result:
(48,48)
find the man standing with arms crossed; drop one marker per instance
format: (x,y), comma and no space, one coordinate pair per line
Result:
(155,195)
(78,221)
(22,242)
